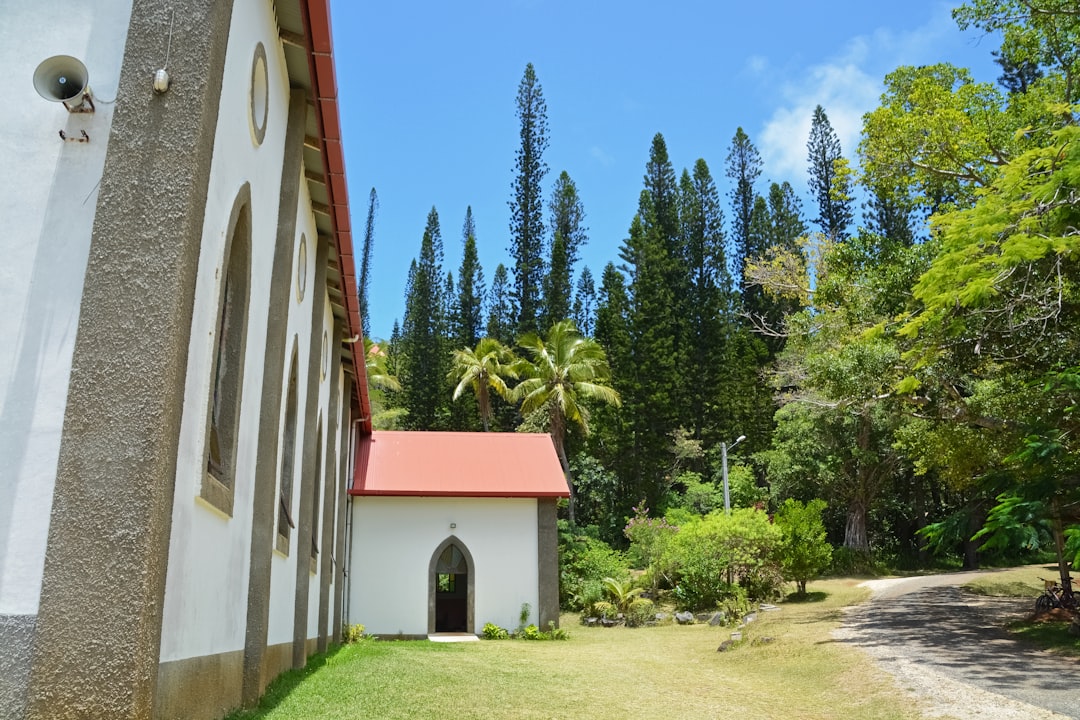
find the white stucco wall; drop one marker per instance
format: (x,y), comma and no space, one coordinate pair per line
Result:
(393,542)
(283,568)
(205,606)
(48,197)
(326,456)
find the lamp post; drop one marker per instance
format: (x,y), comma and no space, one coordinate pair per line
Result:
(723,457)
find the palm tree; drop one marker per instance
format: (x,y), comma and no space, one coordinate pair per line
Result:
(381,381)
(565,369)
(483,369)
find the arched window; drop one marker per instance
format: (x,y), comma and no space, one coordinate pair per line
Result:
(316,487)
(227,369)
(288,463)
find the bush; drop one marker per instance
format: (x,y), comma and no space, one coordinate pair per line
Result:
(640,612)
(849,561)
(584,562)
(804,553)
(492,631)
(353,633)
(531,632)
(713,556)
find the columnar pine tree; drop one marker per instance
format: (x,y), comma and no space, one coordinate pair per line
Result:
(423,335)
(500,319)
(653,255)
(709,310)
(786,224)
(526,207)
(612,441)
(827,185)
(584,311)
(743,169)
(365,262)
(568,235)
(468,321)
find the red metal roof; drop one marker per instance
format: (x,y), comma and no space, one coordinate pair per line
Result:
(458,464)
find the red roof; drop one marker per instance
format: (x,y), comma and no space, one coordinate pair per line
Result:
(458,464)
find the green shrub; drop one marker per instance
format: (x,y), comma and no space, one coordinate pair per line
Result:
(531,632)
(640,612)
(849,561)
(712,556)
(492,631)
(584,562)
(353,633)
(804,552)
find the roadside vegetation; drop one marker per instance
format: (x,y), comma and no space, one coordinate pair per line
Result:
(1057,631)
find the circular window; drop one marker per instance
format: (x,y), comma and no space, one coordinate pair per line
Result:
(260,95)
(301,270)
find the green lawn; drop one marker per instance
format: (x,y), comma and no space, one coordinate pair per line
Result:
(661,672)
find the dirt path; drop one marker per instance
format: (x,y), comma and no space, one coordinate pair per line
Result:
(949,649)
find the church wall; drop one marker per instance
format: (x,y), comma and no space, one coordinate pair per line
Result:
(48,200)
(284,566)
(326,457)
(395,537)
(97,638)
(206,588)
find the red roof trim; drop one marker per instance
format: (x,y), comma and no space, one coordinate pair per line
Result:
(317,30)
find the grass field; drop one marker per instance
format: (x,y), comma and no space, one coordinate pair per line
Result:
(660,672)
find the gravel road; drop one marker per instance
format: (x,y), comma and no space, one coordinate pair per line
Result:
(948,648)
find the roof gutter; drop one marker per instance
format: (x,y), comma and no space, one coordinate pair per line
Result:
(320,51)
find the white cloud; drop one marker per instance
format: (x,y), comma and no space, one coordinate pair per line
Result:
(600,156)
(757,64)
(847,86)
(844,90)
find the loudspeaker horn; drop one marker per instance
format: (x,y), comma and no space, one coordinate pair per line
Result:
(63,78)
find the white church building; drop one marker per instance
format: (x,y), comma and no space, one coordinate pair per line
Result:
(182,409)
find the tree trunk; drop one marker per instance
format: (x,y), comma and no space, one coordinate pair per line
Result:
(1059,543)
(921,514)
(557,431)
(971,547)
(855,536)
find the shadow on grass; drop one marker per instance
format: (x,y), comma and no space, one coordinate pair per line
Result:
(281,686)
(1047,635)
(810,597)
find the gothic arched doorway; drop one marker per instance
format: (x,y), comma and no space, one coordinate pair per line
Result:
(451,580)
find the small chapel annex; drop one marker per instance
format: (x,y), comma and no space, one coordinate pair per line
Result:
(453,530)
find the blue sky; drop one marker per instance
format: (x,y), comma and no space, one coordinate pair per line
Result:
(427,94)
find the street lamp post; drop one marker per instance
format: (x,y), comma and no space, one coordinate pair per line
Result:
(723,457)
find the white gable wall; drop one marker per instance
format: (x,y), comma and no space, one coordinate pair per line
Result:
(393,539)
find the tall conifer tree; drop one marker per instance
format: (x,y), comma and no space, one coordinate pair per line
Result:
(568,235)
(500,319)
(653,254)
(469,312)
(423,335)
(585,303)
(828,186)
(526,207)
(710,314)
(365,262)
(743,169)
